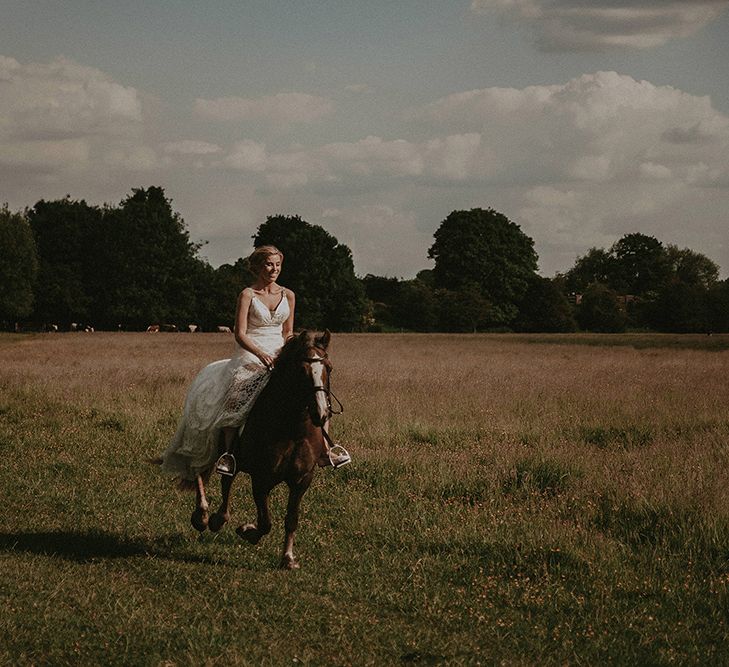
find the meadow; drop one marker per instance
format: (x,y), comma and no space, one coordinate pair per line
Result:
(513,500)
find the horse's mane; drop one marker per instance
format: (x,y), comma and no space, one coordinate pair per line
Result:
(295,349)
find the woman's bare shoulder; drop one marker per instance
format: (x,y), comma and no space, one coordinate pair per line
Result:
(289,293)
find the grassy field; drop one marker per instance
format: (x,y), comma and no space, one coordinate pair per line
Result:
(513,500)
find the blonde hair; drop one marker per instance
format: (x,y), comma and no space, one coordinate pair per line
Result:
(259,256)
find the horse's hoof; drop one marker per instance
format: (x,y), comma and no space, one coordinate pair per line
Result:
(199,519)
(249,533)
(217,521)
(289,563)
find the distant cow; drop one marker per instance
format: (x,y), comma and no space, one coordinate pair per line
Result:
(153,328)
(220,329)
(169,328)
(192,328)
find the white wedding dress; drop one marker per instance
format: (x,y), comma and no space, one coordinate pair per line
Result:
(223,394)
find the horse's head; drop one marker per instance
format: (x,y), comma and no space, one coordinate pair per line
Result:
(306,354)
(317,368)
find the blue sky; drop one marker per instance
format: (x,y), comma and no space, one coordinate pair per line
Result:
(579,120)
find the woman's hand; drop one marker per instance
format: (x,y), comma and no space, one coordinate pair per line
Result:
(267,360)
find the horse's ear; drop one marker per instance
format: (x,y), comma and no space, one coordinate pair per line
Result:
(323,340)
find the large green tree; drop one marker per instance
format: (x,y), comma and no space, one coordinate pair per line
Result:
(600,310)
(670,286)
(417,306)
(65,232)
(382,293)
(545,308)
(18,266)
(691,267)
(464,310)
(218,292)
(146,263)
(679,308)
(484,249)
(718,306)
(641,264)
(320,271)
(596,266)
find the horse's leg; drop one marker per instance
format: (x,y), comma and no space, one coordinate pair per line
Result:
(222,516)
(199,518)
(253,532)
(296,492)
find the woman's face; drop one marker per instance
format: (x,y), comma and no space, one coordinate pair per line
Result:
(271,268)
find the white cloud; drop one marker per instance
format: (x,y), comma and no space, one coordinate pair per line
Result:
(578,25)
(247,156)
(282,108)
(191,147)
(63,99)
(576,163)
(63,117)
(134,159)
(45,156)
(447,158)
(596,127)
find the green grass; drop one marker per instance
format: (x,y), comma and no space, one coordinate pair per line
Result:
(508,503)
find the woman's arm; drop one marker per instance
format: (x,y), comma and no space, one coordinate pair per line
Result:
(288,325)
(241,327)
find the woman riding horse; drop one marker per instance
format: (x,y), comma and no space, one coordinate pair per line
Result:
(224,392)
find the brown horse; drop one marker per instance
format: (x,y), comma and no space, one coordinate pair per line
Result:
(282,441)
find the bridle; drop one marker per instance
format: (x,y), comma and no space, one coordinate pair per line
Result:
(323,359)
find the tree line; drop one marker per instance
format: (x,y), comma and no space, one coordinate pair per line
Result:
(130,265)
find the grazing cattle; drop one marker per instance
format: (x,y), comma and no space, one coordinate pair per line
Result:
(221,329)
(169,328)
(153,328)
(192,328)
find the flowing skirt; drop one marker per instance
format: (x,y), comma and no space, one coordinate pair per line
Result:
(221,395)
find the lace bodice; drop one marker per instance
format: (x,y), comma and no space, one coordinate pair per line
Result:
(266,326)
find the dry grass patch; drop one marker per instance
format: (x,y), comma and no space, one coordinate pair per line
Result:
(512,499)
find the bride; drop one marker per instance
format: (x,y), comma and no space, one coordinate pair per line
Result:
(222,394)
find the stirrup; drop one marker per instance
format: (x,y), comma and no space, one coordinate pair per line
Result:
(338,456)
(225,465)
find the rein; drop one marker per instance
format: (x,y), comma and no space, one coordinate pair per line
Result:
(323,359)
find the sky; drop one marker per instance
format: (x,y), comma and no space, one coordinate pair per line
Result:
(580,120)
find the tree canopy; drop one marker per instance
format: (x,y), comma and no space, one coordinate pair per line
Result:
(485,250)
(545,308)
(146,251)
(18,266)
(65,231)
(133,264)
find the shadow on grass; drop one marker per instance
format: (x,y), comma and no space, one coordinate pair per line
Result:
(87,546)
